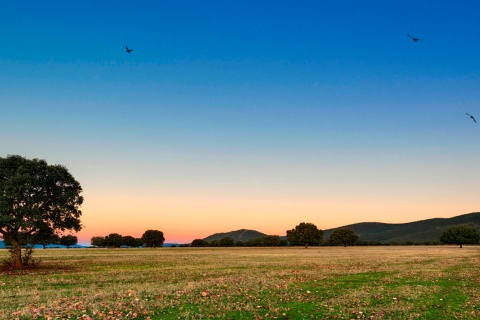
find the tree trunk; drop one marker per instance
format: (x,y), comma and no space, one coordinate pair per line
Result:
(461,245)
(306,245)
(16,254)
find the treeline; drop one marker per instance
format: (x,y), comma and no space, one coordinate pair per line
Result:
(268,241)
(150,238)
(307,234)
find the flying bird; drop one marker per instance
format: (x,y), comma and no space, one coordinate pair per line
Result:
(128,50)
(414,39)
(473,118)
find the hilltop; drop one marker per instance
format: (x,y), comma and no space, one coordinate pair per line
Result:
(239,235)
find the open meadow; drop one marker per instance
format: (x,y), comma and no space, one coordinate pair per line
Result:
(246,283)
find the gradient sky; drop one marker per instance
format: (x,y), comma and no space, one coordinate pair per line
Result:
(247,114)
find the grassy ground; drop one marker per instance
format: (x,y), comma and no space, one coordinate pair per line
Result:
(246,283)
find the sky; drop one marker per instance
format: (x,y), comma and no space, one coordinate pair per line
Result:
(256,115)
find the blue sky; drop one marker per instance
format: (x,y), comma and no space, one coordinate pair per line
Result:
(244,113)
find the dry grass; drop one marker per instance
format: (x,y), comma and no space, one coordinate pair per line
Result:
(246,283)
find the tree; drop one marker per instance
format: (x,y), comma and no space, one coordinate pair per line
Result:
(199,243)
(68,240)
(36,196)
(214,243)
(153,238)
(305,234)
(98,242)
(113,240)
(460,235)
(343,236)
(255,242)
(226,242)
(130,241)
(44,237)
(271,241)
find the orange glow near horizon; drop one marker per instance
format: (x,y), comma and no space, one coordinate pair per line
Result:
(183,218)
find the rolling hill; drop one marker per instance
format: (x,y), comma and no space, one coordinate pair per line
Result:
(417,231)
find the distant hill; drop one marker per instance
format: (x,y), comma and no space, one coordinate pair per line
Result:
(239,235)
(418,231)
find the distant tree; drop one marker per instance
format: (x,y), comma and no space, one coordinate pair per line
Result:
(68,240)
(271,241)
(255,242)
(44,237)
(98,242)
(137,243)
(226,242)
(283,243)
(199,243)
(305,234)
(214,243)
(114,240)
(153,238)
(344,237)
(239,243)
(128,241)
(36,196)
(460,235)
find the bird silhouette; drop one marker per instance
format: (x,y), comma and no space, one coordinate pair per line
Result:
(128,50)
(472,117)
(414,39)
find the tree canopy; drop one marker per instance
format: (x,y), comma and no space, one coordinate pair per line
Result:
(114,240)
(305,234)
(68,240)
(343,236)
(153,238)
(36,196)
(460,235)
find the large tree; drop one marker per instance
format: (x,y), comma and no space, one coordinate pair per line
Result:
(343,236)
(36,196)
(153,238)
(460,235)
(305,234)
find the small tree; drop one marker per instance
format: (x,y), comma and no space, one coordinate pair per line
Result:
(271,241)
(343,236)
(305,234)
(36,196)
(214,243)
(153,238)
(98,242)
(226,242)
(68,240)
(199,243)
(131,242)
(255,242)
(47,239)
(113,240)
(460,235)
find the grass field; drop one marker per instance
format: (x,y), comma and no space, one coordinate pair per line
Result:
(246,283)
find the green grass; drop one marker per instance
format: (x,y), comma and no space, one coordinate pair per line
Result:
(246,283)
